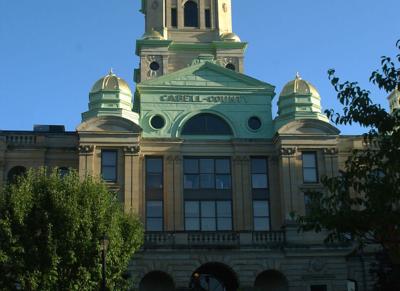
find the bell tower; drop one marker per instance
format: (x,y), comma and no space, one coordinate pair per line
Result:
(178,31)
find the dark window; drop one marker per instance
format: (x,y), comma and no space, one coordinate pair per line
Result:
(230,66)
(318,288)
(208,215)
(191,14)
(174,17)
(63,172)
(310,170)
(206,124)
(254,123)
(109,165)
(154,194)
(157,122)
(259,182)
(207,15)
(207,173)
(307,203)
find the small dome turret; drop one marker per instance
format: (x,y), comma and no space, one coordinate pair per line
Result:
(299,99)
(110,96)
(230,37)
(394,100)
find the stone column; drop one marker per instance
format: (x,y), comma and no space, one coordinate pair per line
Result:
(178,195)
(141,188)
(131,163)
(86,158)
(237,195)
(288,179)
(274,193)
(247,195)
(169,193)
(202,21)
(179,11)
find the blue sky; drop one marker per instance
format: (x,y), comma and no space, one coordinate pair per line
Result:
(52,51)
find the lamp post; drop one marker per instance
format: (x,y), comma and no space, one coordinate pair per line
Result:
(104,245)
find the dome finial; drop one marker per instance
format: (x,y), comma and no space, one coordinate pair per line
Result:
(111,73)
(298,77)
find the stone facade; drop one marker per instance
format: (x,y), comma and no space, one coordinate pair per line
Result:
(214,177)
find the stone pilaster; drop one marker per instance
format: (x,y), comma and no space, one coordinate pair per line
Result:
(86,160)
(202,21)
(246,194)
(331,161)
(237,195)
(288,180)
(130,180)
(178,194)
(169,193)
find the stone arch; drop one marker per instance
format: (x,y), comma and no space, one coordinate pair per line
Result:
(271,280)
(157,281)
(214,276)
(15,172)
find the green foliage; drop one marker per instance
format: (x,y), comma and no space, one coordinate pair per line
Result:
(363,202)
(50,232)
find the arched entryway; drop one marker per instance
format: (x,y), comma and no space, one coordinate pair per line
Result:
(14,173)
(214,277)
(271,280)
(157,281)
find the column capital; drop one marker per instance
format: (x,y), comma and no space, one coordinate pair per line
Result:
(86,149)
(132,150)
(288,151)
(330,151)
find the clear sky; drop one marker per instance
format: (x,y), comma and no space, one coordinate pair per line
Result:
(52,51)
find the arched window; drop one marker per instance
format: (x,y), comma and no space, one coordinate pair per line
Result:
(271,280)
(206,124)
(14,173)
(191,14)
(157,281)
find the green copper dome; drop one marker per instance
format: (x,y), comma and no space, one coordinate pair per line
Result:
(110,96)
(394,100)
(298,100)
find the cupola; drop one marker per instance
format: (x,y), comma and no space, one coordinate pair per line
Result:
(110,96)
(298,100)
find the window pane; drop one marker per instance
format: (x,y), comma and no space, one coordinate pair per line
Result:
(261,224)
(208,224)
(154,165)
(258,165)
(206,166)
(207,15)
(154,209)
(192,209)
(109,173)
(224,223)
(223,166)
(174,18)
(191,166)
(260,208)
(154,181)
(309,160)
(192,224)
(207,181)
(191,182)
(109,158)
(310,175)
(223,181)
(191,14)
(259,181)
(319,288)
(154,224)
(208,209)
(224,209)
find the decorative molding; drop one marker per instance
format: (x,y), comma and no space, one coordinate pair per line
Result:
(289,151)
(86,149)
(241,158)
(317,265)
(330,151)
(131,150)
(150,59)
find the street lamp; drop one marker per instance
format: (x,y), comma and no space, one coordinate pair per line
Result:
(103,245)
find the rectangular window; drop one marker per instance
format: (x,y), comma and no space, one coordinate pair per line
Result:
(307,203)
(207,173)
(174,17)
(207,15)
(260,192)
(109,160)
(310,170)
(208,215)
(154,194)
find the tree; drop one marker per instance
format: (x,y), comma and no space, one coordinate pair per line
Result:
(362,204)
(50,231)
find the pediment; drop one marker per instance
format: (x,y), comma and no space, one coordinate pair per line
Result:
(105,124)
(308,127)
(208,75)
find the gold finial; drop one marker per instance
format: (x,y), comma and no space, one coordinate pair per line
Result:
(111,73)
(298,77)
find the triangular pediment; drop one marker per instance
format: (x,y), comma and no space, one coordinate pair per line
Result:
(207,75)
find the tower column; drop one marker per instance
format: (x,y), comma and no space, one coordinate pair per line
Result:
(202,20)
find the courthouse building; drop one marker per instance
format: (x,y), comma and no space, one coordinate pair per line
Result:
(196,152)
